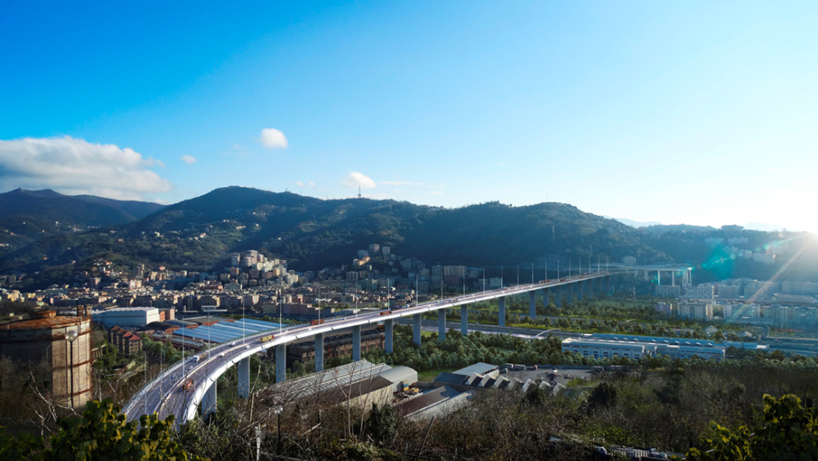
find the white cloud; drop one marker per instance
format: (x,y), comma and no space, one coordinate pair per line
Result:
(273,139)
(189,159)
(357,179)
(75,166)
(299,184)
(312,184)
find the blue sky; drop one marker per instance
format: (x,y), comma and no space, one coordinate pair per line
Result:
(694,112)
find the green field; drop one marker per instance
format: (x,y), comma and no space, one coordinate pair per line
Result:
(430,375)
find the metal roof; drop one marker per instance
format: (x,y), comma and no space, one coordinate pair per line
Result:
(327,380)
(227,331)
(400,374)
(450,378)
(479,368)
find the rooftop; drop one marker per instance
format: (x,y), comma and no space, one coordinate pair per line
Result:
(480,368)
(37,324)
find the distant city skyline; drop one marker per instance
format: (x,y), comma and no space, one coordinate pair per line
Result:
(698,113)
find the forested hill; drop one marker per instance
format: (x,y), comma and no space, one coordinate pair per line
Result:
(80,210)
(312,233)
(27,216)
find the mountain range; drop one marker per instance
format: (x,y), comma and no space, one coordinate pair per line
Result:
(59,234)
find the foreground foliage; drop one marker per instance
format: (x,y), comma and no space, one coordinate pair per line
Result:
(788,431)
(101,433)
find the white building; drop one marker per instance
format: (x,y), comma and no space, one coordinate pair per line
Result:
(702,291)
(672,347)
(603,348)
(698,311)
(126,317)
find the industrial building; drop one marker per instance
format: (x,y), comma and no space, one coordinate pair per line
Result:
(126,317)
(63,343)
(221,330)
(477,376)
(636,347)
(360,383)
(439,401)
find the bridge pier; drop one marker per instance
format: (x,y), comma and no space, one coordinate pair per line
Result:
(570,295)
(608,285)
(388,335)
(281,363)
(558,296)
(356,343)
(532,304)
(580,290)
(319,352)
(441,325)
(209,403)
(416,328)
(502,314)
(591,288)
(244,377)
(546,297)
(464,320)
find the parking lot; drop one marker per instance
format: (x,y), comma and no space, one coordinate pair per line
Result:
(563,374)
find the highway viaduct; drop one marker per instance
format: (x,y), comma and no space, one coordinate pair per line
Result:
(191,383)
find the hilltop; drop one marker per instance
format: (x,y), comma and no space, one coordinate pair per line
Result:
(311,233)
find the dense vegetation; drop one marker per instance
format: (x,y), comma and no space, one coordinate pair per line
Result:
(100,433)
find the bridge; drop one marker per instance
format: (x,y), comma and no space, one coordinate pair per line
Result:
(191,383)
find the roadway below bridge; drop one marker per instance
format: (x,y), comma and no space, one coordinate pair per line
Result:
(432,325)
(190,385)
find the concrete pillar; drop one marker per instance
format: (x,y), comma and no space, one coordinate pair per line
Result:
(356,343)
(441,325)
(502,317)
(209,401)
(558,296)
(672,279)
(591,287)
(532,304)
(388,336)
(580,290)
(570,294)
(244,377)
(546,297)
(416,328)
(319,352)
(608,285)
(464,319)
(281,363)
(658,277)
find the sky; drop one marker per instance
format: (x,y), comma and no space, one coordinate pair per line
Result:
(675,112)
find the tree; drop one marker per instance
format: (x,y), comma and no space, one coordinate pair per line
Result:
(382,424)
(603,396)
(101,433)
(788,431)
(535,396)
